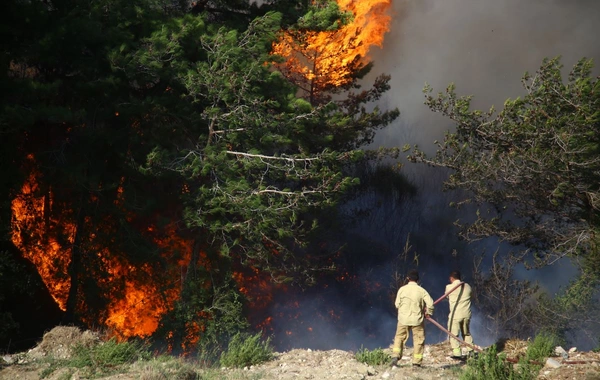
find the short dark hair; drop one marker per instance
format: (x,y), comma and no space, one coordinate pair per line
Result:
(413,275)
(455,274)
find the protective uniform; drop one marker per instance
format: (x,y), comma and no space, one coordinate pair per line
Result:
(460,315)
(412,301)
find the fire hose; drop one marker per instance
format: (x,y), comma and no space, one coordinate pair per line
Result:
(477,348)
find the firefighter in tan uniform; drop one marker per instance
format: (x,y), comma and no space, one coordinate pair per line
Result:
(460,313)
(413,304)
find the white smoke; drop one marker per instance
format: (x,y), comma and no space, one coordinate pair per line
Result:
(483,46)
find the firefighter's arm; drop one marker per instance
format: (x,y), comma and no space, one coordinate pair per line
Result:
(398,301)
(428,304)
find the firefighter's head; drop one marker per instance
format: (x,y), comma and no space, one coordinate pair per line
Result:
(413,275)
(455,275)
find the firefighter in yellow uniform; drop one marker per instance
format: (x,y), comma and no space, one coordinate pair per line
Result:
(459,318)
(413,304)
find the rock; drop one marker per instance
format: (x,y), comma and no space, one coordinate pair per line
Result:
(386,375)
(552,363)
(572,349)
(8,359)
(559,351)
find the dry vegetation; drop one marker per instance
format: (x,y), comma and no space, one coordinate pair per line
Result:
(62,355)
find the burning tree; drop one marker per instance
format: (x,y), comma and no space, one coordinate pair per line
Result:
(79,211)
(164,164)
(326,51)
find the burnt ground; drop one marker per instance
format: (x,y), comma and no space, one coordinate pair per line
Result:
(43,361)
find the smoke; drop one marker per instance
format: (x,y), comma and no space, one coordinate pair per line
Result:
(329,320)
(484,47)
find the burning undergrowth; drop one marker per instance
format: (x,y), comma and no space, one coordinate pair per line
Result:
(140,294)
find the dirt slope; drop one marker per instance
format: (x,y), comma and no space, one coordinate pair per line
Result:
(294,364)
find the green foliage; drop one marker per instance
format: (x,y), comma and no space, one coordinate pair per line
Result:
(533,169)
(491,365)
(107,355)
(542,346)
(323,15)
(99,359)
(215,312)
(534,158)
(372,357)
(245,350)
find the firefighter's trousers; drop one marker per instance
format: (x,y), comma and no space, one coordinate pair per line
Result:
(460,327)
(418,333)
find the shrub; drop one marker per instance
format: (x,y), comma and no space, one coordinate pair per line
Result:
(108,355)
(245,350)
(491,366)
(374,357)
(542,346)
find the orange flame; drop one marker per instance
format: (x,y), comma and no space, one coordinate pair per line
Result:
(45,237)
(329,58)
(35,229)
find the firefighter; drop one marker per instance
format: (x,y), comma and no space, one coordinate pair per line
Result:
(460,313)
(413,304)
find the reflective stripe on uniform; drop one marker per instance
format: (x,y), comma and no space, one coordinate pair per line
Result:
(418,356)
(395,349)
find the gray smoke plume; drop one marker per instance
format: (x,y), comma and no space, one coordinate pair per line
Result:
(484,47)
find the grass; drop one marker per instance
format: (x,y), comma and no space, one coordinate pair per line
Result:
(542,347)
(98,360)
(489,365)
(246,350)
(372,357)
(135,359)
(493,366)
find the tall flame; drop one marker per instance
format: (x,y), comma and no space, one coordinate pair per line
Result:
(45,236)
(48,240)
(329,58)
